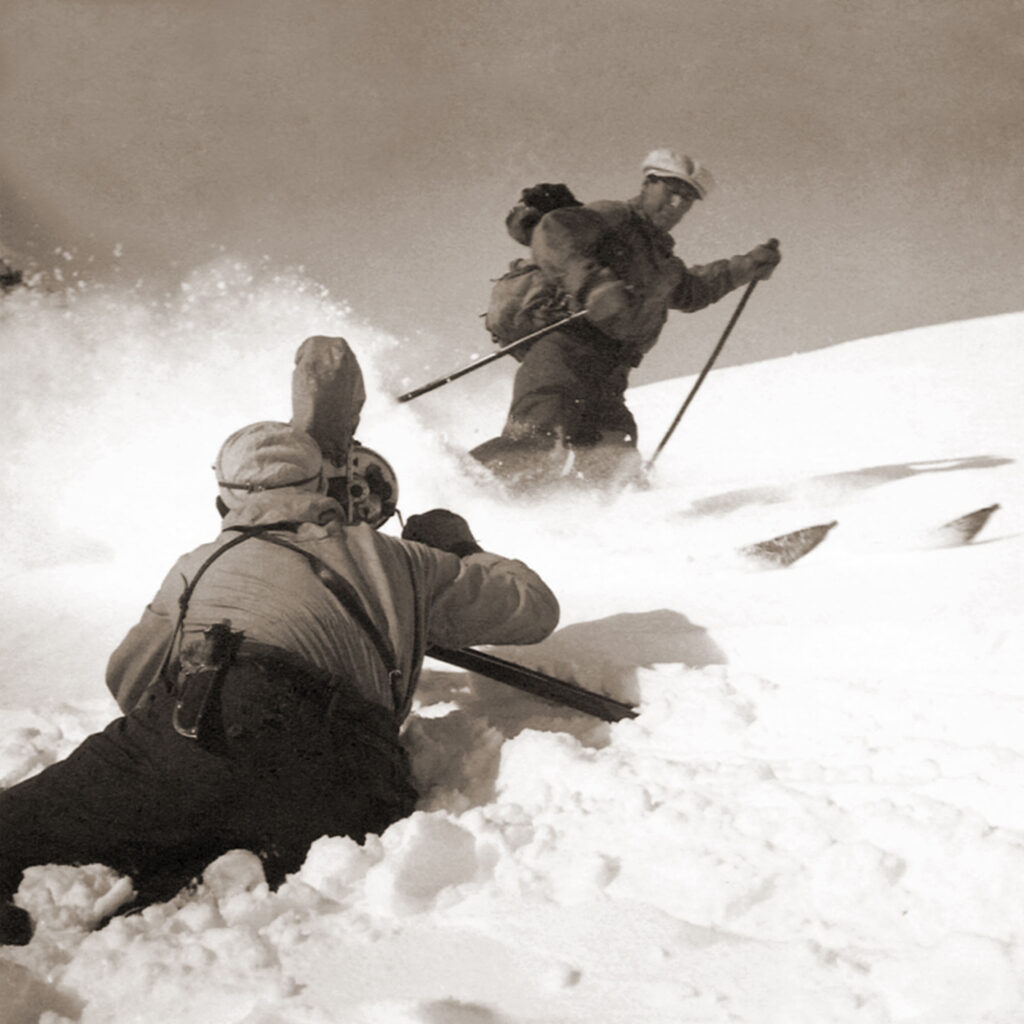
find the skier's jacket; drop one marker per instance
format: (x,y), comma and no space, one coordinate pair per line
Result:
(580,247)
(416,595)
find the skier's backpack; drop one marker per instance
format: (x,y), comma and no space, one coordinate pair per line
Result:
(523,300)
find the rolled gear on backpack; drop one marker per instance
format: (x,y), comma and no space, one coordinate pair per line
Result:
(533,203)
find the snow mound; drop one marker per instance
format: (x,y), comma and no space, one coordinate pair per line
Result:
(816,815)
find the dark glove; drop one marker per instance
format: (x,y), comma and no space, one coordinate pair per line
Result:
(9,277)
(756,265)
(442,529)
(766,258)
(607,300)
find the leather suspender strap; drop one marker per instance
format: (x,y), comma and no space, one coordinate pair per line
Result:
(418,630)
(190,586)
(342,590)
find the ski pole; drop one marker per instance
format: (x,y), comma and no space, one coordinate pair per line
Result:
(423,389)
(531,681)
(707,368)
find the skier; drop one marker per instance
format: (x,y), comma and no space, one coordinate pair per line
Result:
(616,261)
(264,687)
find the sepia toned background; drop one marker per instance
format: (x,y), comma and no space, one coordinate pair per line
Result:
(379,145)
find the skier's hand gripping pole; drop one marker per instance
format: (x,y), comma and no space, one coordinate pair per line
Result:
(441,381)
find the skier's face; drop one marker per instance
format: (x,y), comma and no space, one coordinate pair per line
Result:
(666,201)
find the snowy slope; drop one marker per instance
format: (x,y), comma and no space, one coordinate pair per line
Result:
(816,817)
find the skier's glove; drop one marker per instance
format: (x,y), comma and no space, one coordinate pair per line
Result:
(607,300)
(442,529)
(766,258)
(756,265)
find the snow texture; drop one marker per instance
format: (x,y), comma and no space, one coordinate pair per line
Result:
(815,818)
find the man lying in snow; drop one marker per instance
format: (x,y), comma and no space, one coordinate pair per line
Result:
(264,686)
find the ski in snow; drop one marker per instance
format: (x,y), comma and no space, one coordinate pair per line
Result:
(962,530)
(776,552)
(782,551)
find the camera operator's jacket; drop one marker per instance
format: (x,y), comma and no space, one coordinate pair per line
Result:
(580,246)
(416,595)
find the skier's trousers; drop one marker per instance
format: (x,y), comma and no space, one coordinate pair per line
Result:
(571,386)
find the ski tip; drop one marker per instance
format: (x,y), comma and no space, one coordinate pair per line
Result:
(782,551)
(963,529)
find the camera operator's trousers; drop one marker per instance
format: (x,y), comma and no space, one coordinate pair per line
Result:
(292,755)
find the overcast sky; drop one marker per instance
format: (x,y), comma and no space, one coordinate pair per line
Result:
(380,143)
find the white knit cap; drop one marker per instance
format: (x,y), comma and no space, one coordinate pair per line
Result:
(667,163)
(267,456)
